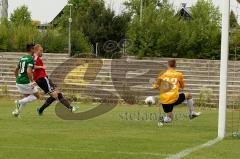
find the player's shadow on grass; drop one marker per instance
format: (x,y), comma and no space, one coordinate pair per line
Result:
(106,105)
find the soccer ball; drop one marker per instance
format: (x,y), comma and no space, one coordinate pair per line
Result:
(150,100)
(15,113)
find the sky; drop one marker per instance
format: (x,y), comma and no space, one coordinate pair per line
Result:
(46,10)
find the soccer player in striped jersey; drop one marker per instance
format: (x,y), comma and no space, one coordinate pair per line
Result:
(42,80)
(24,81)
(171,83)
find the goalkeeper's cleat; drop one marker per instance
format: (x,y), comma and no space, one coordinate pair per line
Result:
(194,115)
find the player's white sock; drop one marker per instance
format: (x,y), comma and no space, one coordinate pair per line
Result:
(26,100)
(190,106)
(167,119)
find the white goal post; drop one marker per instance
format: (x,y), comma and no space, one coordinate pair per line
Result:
(224,68)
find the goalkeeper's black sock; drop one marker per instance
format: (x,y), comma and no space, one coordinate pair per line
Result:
(64,101)
(47,103)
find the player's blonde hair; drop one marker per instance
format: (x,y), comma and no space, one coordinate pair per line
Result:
(37,47)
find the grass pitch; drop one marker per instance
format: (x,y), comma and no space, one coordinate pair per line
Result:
(114,135)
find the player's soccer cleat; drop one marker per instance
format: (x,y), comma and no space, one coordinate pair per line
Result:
(75,108)
(39,113)
(164,120)
(194,115)
(16,112)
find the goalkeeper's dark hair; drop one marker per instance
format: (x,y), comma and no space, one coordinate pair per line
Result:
(172,63)
(29,47)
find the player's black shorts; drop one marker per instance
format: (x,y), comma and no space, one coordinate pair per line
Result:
(169,107)
(46,85)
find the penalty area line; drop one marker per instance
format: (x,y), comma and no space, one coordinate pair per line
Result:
(188,151)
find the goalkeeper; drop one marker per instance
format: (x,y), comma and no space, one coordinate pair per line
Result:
(170,83)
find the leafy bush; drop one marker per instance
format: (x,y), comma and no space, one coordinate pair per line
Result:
(53,41)
(5,90)
(204,97)
(4,33)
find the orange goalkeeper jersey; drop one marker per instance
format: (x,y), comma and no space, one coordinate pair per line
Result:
(169,84)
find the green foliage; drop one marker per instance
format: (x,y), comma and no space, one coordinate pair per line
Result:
(97,23)
(20,36)
(53,41)
(235,44)
(5,90)
(200,37)
(4,33)
(80,43)
(234,37)
(233,20)
(204,97)
(162,33)
(21,16)
(15,34)
(15,38)
(158,32)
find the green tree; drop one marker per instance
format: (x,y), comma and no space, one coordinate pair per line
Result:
(21,16)
(53,41)
(162,33)
(80,43)
(21,29)
(97,23)
(20,36)
(200,38)
(233,20)
(4,34)
(158,32)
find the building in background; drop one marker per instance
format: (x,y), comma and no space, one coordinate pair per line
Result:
(3,9)
(185,12)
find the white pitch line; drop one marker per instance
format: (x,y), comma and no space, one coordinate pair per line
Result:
(188,151)
(82,150)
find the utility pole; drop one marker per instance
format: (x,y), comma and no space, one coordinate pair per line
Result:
(69,30)
(141,10)
(96,50)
